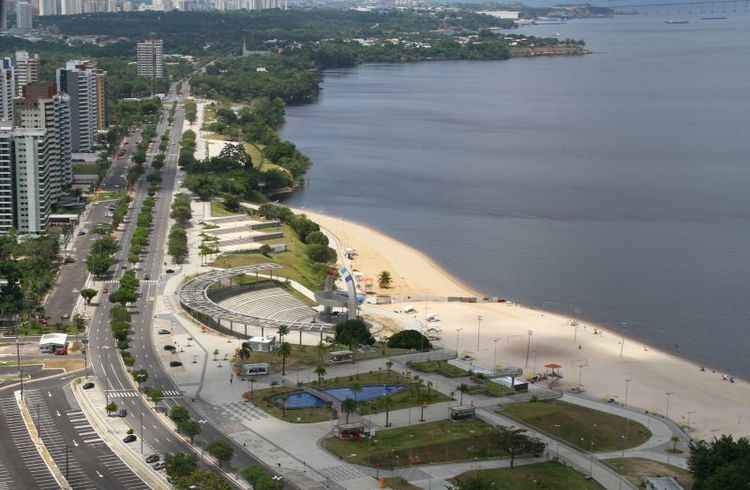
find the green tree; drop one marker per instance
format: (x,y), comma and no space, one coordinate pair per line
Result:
(515,442)
(190,428)
(384,280)
(99,263)
(180,465)
(285,349)
(232,202)
(462,388)
(350,331)
(178,413)
(88,294)
(409,339)
(348,406)
(320,371)
(155,395)
(282,331)
(720,464)
(140,376)
(388,406)
(221,450)
(111,407)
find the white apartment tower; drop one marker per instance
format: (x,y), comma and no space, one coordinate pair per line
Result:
(27,69)
(41,107)
(150,58)
(48,7)
(25,200)
(24,15)
(81,81)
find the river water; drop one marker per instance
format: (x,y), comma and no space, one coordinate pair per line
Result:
(614,186)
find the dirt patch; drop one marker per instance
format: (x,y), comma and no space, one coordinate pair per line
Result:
(66,364)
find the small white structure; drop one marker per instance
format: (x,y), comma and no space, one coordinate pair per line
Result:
(261,69)
(261,344)
(53,342)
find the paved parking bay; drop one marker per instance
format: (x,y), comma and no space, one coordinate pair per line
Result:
(75,446)
(27,470)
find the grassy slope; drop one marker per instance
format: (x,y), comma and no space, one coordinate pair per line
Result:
(635,469)
(580,425)
(432,442)
(296,265)
(548,475)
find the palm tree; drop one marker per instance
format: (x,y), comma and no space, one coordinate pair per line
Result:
(320,371)
(356,388)
(348,406)
(284,350)
(282,331)
(462,388)
(429,389)
(388,405)
(384,280)
(674,440)
(322,348)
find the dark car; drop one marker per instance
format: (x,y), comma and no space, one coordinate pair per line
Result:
(88,386)
(170,271)
(175,363)
(81,233)
(130,438)
(170,348)
(159,466)
(164,331)
(153,458)
(147,277)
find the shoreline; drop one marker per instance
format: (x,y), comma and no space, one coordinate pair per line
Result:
(655,370)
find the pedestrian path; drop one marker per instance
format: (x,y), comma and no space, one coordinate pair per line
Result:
(133,393)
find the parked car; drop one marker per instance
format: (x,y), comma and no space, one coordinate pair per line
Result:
(152,458)
(88,386)
(147,277)
(170,347)
(119,413)
(170,271)
(129,438)
(164,331)
(81,233)
(159,466)
(175,363)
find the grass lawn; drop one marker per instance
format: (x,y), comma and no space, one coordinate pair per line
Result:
(412,396)
(218,209)
(439,367)
(483,386)
(398,483)
(85,168)
(636,469)
(296,265)
(580,426)
(263,399)
(549,475)
(255,150)
(432,442)
(106,196)
(302,356)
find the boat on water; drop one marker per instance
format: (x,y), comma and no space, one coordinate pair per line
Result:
(714,18)
(676,21)
(548,21)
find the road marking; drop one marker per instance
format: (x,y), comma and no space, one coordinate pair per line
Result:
(57,412)
(75,443)
(99,474)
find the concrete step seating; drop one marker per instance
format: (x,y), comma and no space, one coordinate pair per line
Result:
(271,303)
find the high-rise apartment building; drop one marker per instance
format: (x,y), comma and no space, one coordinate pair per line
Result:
(24,15)
(7,88)
(42,107)
(49,7)
(87,88)
(25,199)
(7,207)
(71,7)
(4,15)
(27,69)
(150,58)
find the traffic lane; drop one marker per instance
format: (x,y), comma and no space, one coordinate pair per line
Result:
(72,276)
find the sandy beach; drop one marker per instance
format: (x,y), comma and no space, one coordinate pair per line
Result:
(518,336)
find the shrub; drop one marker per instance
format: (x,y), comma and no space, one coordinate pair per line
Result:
(409,339)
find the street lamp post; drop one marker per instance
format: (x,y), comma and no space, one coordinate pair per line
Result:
(528,349)
(141,433)
(627,386)
(669,396)
(458,341)
(494,361)
(479,324)
(20,368)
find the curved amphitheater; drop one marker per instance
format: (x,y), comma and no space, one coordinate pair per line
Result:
(212,299)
